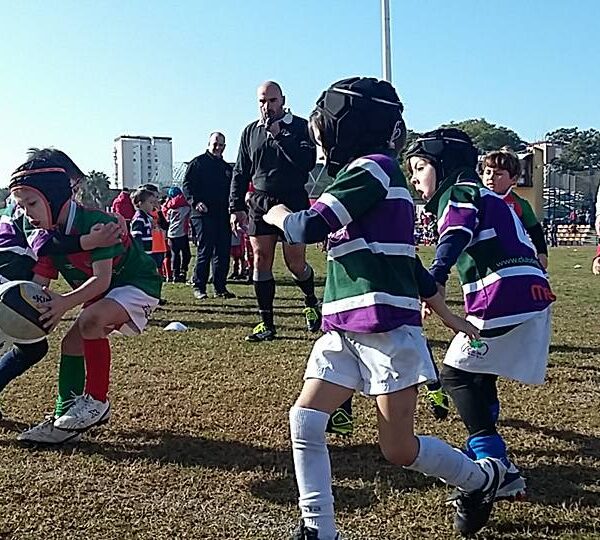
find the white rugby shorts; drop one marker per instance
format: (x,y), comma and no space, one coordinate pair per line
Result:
(138,305)
(374,364)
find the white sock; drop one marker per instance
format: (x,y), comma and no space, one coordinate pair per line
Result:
(313,470)
(438,458)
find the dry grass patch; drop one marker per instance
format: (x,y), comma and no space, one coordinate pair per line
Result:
(198,445)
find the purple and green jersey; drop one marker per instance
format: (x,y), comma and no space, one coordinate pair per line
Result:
(502,281)
(17,258)
(371,263)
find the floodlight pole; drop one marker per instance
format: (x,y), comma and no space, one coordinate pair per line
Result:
(386,53)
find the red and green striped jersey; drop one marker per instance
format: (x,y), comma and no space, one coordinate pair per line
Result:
(522,208)
(371,284)
(525,213)
(131,266)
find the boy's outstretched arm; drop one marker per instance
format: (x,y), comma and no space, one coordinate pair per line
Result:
(92,288)
(536,233)
(304,227)
(428,291)
(101,235)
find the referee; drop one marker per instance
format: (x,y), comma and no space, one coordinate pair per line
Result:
(276,155)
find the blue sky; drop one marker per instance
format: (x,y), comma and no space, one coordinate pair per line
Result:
(76,74)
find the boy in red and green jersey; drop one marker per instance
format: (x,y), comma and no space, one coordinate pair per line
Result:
(118,287)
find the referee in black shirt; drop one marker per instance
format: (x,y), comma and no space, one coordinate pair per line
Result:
(276,154)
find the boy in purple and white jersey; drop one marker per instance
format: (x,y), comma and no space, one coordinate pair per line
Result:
(371,308)
(506,292)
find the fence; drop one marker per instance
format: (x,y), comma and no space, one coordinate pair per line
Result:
(568,191)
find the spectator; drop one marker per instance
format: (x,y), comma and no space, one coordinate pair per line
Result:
(123,206)
(596,261)
(553,234)
(160,226)
(573,217)
(206,187)
(178,215)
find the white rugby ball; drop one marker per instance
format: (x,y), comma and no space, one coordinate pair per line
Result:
(20,303)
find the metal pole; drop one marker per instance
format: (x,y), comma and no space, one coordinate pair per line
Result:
(386,54)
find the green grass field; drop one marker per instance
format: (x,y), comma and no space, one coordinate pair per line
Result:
(198,444)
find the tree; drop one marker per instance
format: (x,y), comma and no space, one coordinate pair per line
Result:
(488,137)
(95,190)
(580,149)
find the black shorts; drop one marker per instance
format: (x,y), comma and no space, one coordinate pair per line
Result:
(260,202)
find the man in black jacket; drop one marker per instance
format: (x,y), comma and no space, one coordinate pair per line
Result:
(206,186)
(276,154)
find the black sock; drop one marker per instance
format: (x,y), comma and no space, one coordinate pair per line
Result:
(265,293)
(267,317)
(432,387)
(307,286)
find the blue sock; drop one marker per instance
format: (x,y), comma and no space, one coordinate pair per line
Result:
(483,446)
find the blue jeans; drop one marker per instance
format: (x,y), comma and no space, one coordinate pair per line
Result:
(19,359)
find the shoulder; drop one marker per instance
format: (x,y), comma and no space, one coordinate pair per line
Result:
(381,167)
(522,201)
(468,189)
(196,159)
(299,121)
(91,216)
(199,160)
(250,128)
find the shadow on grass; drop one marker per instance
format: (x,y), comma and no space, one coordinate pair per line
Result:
(588,445)
(574,348)
(539,530)
(363,463)
(554,484)
(549,484)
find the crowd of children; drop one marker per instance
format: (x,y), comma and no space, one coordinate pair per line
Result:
(376,293)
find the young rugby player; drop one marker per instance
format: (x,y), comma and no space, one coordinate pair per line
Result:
(373,338)
(507,295)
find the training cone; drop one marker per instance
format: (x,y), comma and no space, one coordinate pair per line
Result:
(176,326)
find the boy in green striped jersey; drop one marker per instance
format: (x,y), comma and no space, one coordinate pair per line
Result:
(373,338)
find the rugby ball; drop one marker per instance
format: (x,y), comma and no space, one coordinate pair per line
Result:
(20,303)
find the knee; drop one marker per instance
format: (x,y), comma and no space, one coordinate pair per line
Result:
(262,262)
(307,425)
(398,453)
(90,325)
(299,269)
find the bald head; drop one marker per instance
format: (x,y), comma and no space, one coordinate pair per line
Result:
(270,101)
(270,86)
